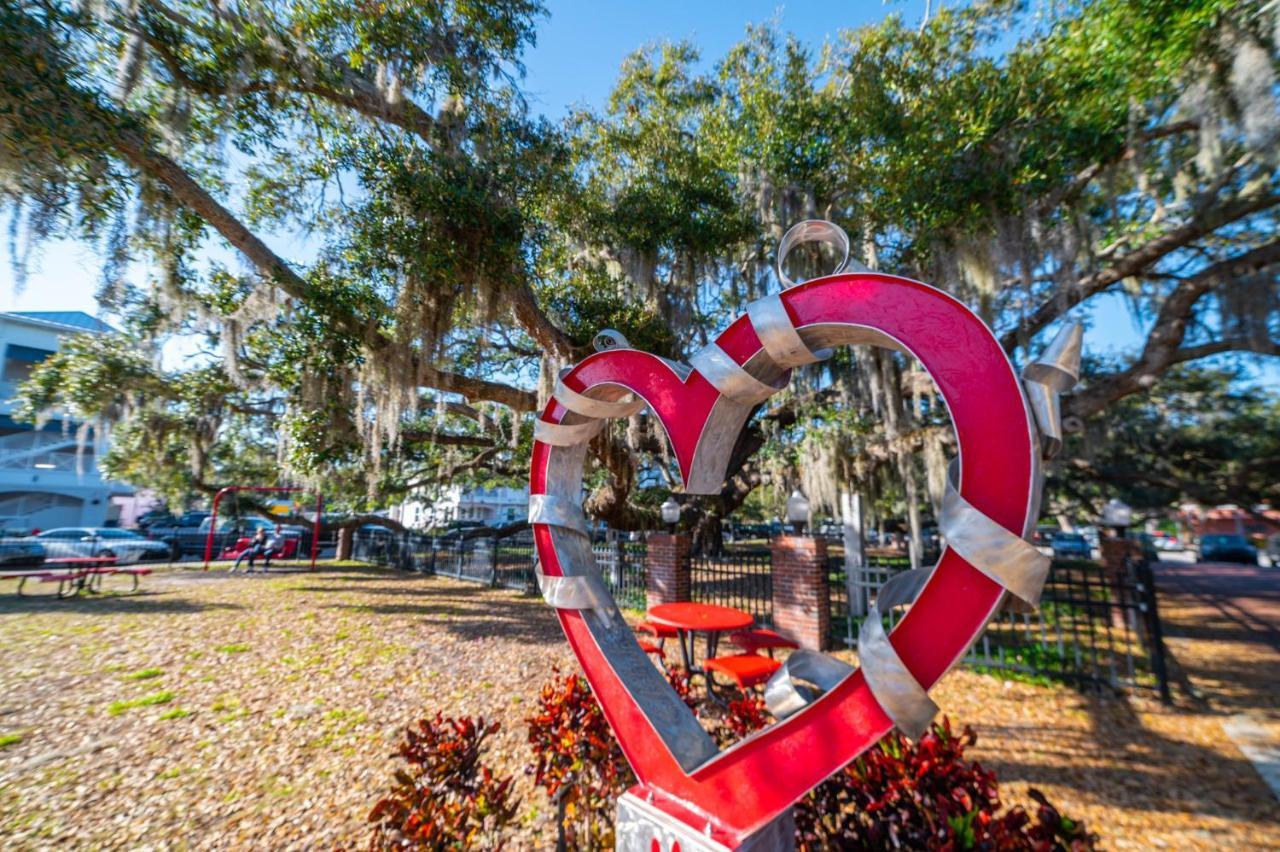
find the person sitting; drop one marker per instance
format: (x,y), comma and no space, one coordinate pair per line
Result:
(270,547)
(257,547)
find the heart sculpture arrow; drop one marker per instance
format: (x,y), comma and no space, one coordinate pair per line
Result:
(993,504)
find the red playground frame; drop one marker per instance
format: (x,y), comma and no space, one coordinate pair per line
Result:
(230,489)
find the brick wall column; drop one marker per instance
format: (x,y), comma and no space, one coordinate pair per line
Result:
(801,598)
(1114,551)
(668,577)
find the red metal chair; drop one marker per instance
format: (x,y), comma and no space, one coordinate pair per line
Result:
(746,670)
(656,650)
(761,639)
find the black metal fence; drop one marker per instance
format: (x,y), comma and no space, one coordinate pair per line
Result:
(1094,628)
(507,561)
(737,577)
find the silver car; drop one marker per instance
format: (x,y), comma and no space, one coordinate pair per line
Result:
(125,545)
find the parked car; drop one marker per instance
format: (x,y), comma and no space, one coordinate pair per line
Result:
(1070,546)
(181,533)
(1227,548)
(1043,535)
(18,552)
(125,545)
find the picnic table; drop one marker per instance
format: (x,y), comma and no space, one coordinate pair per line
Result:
(690,618)
(76,574)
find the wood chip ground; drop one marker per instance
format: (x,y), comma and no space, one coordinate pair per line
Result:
(219,712)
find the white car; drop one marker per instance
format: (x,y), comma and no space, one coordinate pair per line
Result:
(125,545)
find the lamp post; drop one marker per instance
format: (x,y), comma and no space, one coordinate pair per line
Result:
(671,514)
(798,511)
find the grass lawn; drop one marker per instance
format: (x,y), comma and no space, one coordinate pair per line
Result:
(233,711)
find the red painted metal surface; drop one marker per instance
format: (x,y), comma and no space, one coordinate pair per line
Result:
(703,617)
(746,670)
(748,785)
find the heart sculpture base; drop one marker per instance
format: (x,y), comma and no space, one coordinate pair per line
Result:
(649,821)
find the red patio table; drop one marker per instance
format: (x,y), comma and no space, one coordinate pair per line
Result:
(689,618)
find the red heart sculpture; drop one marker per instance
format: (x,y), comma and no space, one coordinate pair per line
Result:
(745,787)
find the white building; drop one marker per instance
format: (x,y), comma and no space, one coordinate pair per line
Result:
(46,479)
(494,507)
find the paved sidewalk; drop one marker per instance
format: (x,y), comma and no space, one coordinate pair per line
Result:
(1222,623)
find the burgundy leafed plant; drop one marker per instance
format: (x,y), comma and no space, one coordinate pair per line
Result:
(447,798)
(577,761)
(925,796)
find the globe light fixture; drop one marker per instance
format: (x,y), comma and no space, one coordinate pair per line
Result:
(671,514)
(1117,514)
(798,511)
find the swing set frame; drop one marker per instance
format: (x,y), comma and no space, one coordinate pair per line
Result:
(232,489)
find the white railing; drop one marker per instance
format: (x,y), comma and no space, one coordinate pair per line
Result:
(42,450)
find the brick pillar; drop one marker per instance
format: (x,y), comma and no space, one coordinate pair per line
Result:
(668,577)
(1114,552)
(801,598)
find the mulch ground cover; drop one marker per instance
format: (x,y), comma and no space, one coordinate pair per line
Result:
(216,711)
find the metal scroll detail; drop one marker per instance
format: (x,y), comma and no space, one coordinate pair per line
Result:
(595,408)
(731,378)
(1056,371)
(778,334)
(804,676)
(564,435)
(808,231)
(1010,560)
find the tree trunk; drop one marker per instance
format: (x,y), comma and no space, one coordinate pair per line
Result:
(345,541)
(708,534)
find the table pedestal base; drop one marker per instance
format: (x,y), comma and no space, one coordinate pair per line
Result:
(653,824)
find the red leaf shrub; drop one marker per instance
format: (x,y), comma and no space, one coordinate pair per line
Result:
(925,796)
(577,761)
(447,799)
(896,796)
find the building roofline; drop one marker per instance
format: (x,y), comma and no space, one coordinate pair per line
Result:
(40,322)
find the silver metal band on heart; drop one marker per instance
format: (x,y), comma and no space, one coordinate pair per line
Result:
(1008,559)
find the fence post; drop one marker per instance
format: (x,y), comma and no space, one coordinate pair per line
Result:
(668,573)
(493,562)
(1155,633)
(801,597)
(615,557)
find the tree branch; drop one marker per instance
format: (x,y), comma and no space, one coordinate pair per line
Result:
(1133,263)
(1163,347)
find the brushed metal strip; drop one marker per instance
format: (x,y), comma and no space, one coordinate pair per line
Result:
(565,435)
(731,378)
(778,336)
(595,408)
(557,512)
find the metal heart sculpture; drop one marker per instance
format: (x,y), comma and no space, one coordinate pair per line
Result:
(991,505)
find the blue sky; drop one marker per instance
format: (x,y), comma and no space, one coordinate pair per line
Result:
(575,62)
